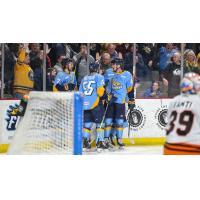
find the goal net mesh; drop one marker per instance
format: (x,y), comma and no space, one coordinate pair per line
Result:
(47,126)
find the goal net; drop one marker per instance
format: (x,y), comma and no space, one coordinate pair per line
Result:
(52,124)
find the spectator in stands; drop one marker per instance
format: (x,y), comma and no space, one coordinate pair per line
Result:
(112,51)
(36,65)
(123,48)
(190,62)
(56,50)
(147,51)
(198,60)
(95,50)
(82,62)
(11,54)
(58,65)
(105,61)
(153,91)
(51,74)
(141,69)
(48,60)
(23,74)
(34,50)
(171,75)
(165,54)
(75,47)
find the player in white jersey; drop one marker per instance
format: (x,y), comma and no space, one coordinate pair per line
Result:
(183,129)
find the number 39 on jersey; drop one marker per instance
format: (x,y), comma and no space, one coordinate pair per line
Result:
(184,117)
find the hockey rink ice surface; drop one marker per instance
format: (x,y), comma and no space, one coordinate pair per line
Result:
(135,150)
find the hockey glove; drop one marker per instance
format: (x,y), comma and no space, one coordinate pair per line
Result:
(131,104)
(109,97)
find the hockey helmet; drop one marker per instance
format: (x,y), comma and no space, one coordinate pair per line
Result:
(94,67)
(186,86)
(119,62)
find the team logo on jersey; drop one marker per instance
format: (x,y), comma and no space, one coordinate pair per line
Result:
(161,117)
(12,117)
(137,118)
(116,85)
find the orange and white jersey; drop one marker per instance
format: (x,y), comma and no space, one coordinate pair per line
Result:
(183,129)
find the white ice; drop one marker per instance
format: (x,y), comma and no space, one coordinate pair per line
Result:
(134,150)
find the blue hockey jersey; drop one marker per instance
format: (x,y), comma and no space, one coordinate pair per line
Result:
(108,75)
(119,86)
(92,86)
(73,78)
(61,81)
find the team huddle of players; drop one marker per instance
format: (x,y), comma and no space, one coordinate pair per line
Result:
(104,101)
(104,104)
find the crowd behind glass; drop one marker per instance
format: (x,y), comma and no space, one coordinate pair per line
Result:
(157,66)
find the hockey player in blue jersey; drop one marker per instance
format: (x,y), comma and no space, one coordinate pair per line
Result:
(120,88)
(109,73)
(66,79)
(92,86)
(62,79)
(69,69)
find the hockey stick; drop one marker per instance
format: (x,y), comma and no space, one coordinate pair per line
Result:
(132,141)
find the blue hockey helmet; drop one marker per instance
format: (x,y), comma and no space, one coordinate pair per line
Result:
(119,62)
(94,67)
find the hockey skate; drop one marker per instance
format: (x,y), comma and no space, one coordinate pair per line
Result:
(109,144)
(101,146)
(86,145)
(112,140)
(120,144)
